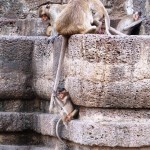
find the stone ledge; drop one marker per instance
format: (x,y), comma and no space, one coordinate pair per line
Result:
(24,27)
(117,75)
(114,71)
(111,129)
(12,147)
(16,67)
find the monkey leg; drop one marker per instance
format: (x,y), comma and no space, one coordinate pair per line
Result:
(48,30)
(133,24)
(91,29)
(113,30)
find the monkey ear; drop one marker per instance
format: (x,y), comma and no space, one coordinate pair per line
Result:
(48,6)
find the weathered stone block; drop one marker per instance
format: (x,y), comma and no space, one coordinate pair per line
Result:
(45,62)
(96,127)
(114,71)
(16,68)
(24,27)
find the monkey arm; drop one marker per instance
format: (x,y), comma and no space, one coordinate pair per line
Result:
(71,115)
(74,113)
(59,102)
(113,30)
(96,23)
(133,24)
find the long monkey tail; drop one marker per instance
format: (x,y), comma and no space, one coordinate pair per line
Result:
(107,20)
(61,58)
(57,131)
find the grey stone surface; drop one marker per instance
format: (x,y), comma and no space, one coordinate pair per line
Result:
(16,69)
(117,74)
(24,27)
(12,147)
(112,128)
(35,105)
(45,62)
(73,147)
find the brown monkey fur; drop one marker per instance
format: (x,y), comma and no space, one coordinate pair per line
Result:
(50,12)
(128,22)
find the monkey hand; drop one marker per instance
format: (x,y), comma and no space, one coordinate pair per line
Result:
(68,118)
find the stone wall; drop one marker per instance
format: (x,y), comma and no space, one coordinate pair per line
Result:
(108,77)
(114,79)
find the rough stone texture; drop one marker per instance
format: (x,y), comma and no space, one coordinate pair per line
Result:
(77,147)
(98,72)
(11,147)
(26,27)
(145,27)
(117,74)
(35,105)
(45,62)
(143,6)
(16,69)
(114,77)
(20,8)
(112,128)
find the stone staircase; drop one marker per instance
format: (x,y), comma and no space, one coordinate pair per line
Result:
(107,76)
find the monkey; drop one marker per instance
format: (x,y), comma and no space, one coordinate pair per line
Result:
(77,18)
(48,30)
(127,23)
(98,22)
(50,12)
(68,110)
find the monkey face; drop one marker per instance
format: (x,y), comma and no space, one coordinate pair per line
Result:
(136,15)
(61,96)
(44,12)
(44,17)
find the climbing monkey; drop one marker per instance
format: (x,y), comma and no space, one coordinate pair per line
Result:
(128,23)
(68,110)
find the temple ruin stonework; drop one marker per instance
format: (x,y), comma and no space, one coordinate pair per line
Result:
(108,77)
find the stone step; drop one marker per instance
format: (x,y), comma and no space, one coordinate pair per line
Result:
(23,27)
(32,105)
(15,147)
(117,76)
(113,128)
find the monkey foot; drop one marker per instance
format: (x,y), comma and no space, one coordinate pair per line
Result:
(52,39)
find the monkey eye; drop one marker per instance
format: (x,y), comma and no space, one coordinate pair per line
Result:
(47,6)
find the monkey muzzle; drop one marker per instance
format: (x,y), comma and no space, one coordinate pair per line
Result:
(44,17)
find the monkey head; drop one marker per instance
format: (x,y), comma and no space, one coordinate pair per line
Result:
(62,93)
(136,15)
(44,12)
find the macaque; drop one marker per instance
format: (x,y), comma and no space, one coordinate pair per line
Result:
(50,12)
(68,110)
(128,22)
(100,24)
(76,17)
